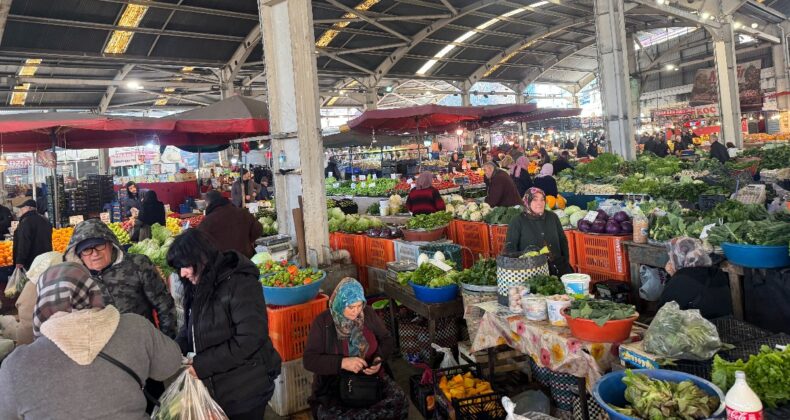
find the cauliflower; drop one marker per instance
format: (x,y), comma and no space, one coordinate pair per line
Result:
(476,216)
(450,209)
(472,207)
(455,198)
(395,200)
(485,206)
(460,209)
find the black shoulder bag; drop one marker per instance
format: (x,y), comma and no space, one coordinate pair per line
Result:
(357,390)
(131,373)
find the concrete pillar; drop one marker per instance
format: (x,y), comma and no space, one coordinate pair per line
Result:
(614,76)
(466,98)
(292,82)
(104,161)
(519,89)
(782,72)
(634,80)
(727,78)
(371,99)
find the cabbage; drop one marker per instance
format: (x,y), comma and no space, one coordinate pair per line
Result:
(575,217)
(334,225)
(449,208)
(565,220)
(261,257)
(572,210)
(476,216)
(598,226)
(626,227)
(612,227)
(621,216)
(336,213)
(266,220)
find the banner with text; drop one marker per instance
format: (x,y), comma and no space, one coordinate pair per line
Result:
(705,90)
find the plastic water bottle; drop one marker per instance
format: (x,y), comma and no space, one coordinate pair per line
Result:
(741,402)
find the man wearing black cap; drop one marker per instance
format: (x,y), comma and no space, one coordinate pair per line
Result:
(244,189)
(32,237)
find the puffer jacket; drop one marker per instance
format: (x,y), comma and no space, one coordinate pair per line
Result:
(32,238)
(131,283)
(227,329)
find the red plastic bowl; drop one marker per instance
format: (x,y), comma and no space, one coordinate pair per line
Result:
(615,331)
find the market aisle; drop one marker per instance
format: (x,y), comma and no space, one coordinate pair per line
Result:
(402,371)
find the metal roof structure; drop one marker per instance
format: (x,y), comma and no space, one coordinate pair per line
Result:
(109,55)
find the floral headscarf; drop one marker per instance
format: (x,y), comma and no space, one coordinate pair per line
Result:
(425,180)
(687,252)
(349,292)
(521,165)
(65,287)
(529,196)
(546,170)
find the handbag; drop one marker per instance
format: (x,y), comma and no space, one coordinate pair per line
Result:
(356,390)
(131,373)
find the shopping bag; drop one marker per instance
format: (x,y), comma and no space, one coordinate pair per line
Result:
(16,282)
(449,360)
(187,399)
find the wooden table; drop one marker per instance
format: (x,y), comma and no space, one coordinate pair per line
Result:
(735,273)
(431,311)
(643,254)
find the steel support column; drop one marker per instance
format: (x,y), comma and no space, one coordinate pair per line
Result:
(633,78)
(614,76)
(782,73)
(292,81)
(727,77)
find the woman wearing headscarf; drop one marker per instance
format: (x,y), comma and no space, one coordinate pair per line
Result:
(520,174)
(350,337)
(131,200)
(424,198)
(225,325)
(455,164)
(66,373)
(152,212)
(545,180)
(535,228)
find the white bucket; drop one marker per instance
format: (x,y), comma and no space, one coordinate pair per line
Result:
(576,283)
(383,207)
(555,305)
(534,307)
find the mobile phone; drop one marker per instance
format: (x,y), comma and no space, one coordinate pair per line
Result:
(375,363)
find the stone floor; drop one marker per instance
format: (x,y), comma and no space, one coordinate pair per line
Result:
(402,371)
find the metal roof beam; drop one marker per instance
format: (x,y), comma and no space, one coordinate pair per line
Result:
(82,57)
(384,19)
(678,13)
(367,49)
(174,97)
(449,7)
(108,94)
(231,69)
(60,81)
(547,65)
(335,57)
(108,27)
(368,19)
(178,74)
(769,10)
(188,9)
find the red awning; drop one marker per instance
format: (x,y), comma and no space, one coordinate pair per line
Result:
(235,117)
(548,114)
(408,120)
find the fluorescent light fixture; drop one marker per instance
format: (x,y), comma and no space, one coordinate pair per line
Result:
(670,67)
(737,25)
(133,84)
(169,90)
(427,66)
(330,34)
(161,101)
(755,25)
(130,18)
(660,2)
(705,15)
(30,67)
(187,69)
(444,51)
(538,4)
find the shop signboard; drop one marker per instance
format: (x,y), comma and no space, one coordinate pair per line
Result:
(706,92)
(126,159)
(711,110)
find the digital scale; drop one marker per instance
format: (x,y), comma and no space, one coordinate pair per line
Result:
(278,246)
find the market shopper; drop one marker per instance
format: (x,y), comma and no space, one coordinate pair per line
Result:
(507,163)
(230,227)
(32,237)
(6,217)
(545,180)
(244,190)
(152,212)
(581,149)
(350,338)
(718,151)
(544,156)
(64,374)
(501,189)
(131,203)
(424,198)
(129,282)
(661,148)
(536,228)
(520,174)
(226,325)
(562,162)
(455,165)
(264,193)
(732,151)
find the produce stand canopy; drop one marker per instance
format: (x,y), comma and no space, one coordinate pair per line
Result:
(355,138)
(403,120)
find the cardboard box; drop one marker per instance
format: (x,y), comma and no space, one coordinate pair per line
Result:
(634,355)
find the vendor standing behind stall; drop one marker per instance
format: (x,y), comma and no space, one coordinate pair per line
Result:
(535,228)
(424,198)
(455,164)
(501,188)
(131,201)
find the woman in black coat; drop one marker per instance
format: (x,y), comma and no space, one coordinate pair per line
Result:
(226,325)
(152,211)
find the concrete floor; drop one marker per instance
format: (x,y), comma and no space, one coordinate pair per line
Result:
(402,371)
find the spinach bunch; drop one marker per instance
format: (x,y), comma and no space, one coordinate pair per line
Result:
(546,285)
(601,311)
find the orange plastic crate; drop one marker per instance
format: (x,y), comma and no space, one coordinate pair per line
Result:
(451,229)
(498,236)
(379,252)
(602,253)
(473,235)
(598,276)
(289,326)
(354,244)
(570,235)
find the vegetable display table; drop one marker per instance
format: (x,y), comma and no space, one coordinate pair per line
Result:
(549,346)
(432,312)
(643,254)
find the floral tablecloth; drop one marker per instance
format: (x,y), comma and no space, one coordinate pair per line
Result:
(549,346)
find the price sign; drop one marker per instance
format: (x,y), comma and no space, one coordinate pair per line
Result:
(167,208)
(591,215)
(75,220)
(105,217)
(375,176)
(14,225)
(353,185)
(353,178)
(336,185)
(362,178)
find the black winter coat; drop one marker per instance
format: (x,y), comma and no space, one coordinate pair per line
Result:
(227,327)
(719,151)
(32,238)
(152,212)
(6,217)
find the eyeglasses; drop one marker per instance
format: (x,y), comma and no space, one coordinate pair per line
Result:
(90,251)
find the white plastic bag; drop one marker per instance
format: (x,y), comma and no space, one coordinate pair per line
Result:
(16,282)
(652,283)
(510,408)
(449,360)
(187,399)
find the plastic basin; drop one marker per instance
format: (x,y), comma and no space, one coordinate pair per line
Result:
(435,294)
(576,283)
(610,389)
(757,256)
(614,331)
(424,235)
(285,296)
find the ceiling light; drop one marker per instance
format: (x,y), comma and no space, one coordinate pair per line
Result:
(30,67)
(711,17)
(459,131)
(187,69)
(660,2)
(737,25)
(133,84)
(330,34)
(388,89)
(538,4)
(670,67)
(161,101)
(705,15)
(755,25)
(130,18)
(761,117)
(428,92)
(169,90)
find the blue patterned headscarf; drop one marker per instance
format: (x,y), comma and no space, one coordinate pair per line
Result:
(349,292)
